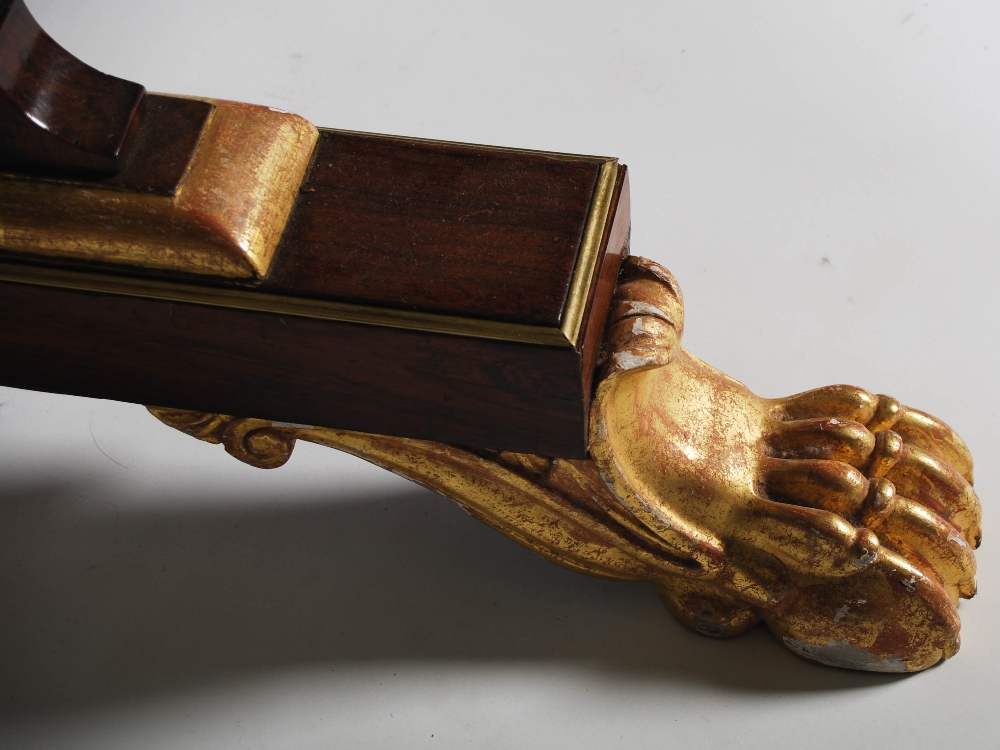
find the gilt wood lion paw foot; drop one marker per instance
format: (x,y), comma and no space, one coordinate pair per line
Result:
(843,520)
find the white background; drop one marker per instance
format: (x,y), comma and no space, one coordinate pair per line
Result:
(823,179)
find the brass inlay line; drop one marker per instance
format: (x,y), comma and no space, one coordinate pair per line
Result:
(590,251)
(242,299)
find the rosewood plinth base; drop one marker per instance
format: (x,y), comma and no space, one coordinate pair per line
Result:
(406,287)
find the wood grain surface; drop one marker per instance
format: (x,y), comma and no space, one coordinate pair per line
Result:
(476,233)
(55,111)
(455,389)
(437,227)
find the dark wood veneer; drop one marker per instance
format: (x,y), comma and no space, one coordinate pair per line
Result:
(55,111)
(164,143)
(61,119)
(461,390)
(437,227)
(469,391)
(477,233)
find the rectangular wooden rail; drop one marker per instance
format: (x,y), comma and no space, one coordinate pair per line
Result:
(431,290)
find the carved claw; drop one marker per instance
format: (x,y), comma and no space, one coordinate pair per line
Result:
(842,519)
(861,507)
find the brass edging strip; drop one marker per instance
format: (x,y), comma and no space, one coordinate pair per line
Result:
(590,252)
(241,299)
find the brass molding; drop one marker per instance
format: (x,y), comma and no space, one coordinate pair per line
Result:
(590,251)
(248,299)
(259,154)
(843,520)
